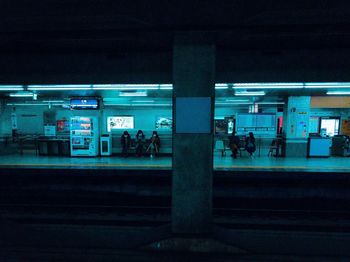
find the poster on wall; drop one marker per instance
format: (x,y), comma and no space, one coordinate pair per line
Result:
(120,122)
(345,127)
(50,130)
(302,124)
(314,123)
(230,124)
(164,123)
(220,126)
(62,126)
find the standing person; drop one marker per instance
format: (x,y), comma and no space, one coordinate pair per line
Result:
(250,144)
(234,144)
(154,144)
(125,141)
(140,142)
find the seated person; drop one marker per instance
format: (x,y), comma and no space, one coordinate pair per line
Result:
(140,143)
(154,144)
(250,144)
(234,144)
(125,141)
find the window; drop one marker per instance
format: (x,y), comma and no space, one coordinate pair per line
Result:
(330,126)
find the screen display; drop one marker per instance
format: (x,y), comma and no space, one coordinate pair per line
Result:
(120,122)
(84,103)
(256,120)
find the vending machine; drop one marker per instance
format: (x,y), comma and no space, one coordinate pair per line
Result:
(84,136)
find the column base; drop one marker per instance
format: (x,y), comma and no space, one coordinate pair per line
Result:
(295,148)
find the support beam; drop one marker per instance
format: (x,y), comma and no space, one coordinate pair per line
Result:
(193,112)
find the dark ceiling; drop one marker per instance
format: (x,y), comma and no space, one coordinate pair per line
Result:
(139,26)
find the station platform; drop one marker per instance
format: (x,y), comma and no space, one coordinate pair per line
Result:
(226,163)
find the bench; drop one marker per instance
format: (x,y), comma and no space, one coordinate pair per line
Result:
(28,142)
(165,141)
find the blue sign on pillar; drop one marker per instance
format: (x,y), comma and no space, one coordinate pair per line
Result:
(193,115)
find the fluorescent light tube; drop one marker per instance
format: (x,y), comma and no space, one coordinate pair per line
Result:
(270,103)
(221,86)
(166,87)
(134,94)
(26,104)
(151,105)
(237,100)
(115,104)
(142,101)
(338,93)
(58,87)
(246,93)
(21,95)
(11,87)
(268,85)
(241,103)
(328,85)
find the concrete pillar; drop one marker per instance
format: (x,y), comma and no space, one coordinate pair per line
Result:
(193,112)
(296,125)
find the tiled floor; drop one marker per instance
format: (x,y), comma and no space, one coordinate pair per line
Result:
(339,164)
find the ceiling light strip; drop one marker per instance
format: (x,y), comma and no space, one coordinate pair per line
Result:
(338,93)
(11,88)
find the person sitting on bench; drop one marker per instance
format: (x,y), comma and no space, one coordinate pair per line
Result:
(140,142)
(234,144)
(154,145)
(125,141)
(250,144)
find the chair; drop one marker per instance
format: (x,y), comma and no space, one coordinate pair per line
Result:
(219,146)
(241,146)
(275,146)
